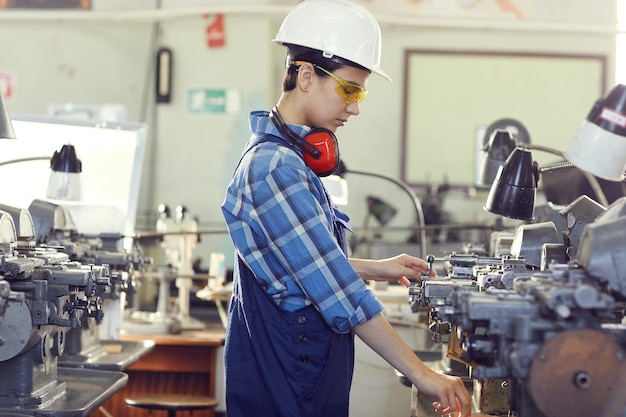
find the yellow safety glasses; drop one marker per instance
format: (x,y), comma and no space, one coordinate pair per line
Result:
(349,92)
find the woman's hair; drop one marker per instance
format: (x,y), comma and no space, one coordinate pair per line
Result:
(314,56)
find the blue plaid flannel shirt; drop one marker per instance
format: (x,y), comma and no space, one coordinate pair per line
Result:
(281,223)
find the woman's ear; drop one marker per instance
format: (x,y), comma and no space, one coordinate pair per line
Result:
(305,76)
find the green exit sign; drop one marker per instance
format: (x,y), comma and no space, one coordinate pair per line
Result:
(215,101)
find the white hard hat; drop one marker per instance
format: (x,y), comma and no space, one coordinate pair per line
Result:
(337,28)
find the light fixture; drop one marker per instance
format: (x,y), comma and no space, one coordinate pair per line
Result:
(65,179)
(599,145)
(547,173)
(6,127)
(502,140)
(163,86)
(513,191)
(381,210)
(501,144)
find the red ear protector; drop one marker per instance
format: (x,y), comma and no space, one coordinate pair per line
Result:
(319,146)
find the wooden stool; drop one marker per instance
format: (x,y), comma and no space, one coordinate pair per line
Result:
(171,402)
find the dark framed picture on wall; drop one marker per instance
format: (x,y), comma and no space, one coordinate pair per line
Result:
(45,4)
(452,96)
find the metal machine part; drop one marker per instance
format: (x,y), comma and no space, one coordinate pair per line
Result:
(577,216)
(62,244)
(48,219)
(557,335)
(46,298)
(589,369)
(7,296)
(602,248)
(545,338)
(178,238)
(163,320)
(529,240)
(500,243)
(178,249)
(465,272)
(57,230)
(85,349)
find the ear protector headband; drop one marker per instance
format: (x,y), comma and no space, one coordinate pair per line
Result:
(320,148)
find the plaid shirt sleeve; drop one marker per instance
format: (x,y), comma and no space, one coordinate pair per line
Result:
(281,223)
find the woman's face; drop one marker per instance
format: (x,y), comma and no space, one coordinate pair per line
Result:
(326,107)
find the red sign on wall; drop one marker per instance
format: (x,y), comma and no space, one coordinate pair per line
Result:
(215,36)
(7,84)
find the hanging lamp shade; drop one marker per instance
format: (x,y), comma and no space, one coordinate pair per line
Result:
(599,145)
(381,210)
(500,145)
(65,181)
(513,191)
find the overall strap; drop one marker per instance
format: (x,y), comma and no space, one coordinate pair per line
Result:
(259,138)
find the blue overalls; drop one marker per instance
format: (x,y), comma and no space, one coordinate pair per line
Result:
(280,363)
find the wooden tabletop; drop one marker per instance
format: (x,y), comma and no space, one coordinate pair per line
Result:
(212,335)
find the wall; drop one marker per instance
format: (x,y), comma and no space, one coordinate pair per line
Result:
(373,141)
(195,154)
(190,157)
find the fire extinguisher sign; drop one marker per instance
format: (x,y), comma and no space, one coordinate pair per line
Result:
(7,84)
(214,31)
